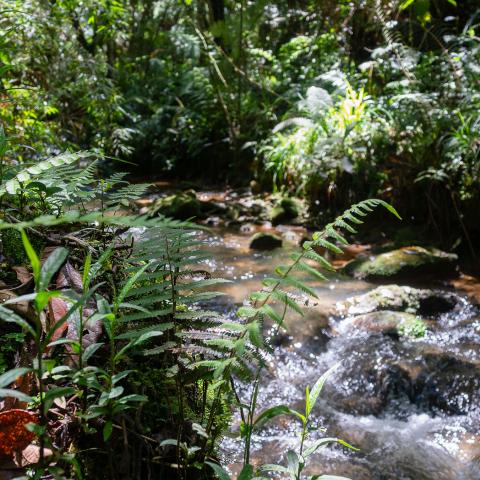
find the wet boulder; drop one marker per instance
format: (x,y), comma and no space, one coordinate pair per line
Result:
(407,262)
(265,241)
(423,302)
(181,206)
(377,391)
(381,375)
(447,384)
(390,323)
(369,380)
(286,210)
(211,207)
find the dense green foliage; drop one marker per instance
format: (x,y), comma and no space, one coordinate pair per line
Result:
(333,101)
(367,98)
(330,101)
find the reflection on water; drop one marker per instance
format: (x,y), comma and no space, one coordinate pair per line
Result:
(410,405)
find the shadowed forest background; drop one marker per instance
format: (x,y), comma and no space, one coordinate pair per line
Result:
(332,101)
(151,150)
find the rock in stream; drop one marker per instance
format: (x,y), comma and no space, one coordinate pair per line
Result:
(407,262)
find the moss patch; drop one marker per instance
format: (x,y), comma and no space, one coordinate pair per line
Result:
(402,262)
(286,210)
(181,206)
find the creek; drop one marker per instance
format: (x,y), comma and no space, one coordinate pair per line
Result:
(411,405)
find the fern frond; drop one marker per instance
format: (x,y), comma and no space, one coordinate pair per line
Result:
(11,186)
(127,194)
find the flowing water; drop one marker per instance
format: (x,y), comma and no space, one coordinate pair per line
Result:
(410,405)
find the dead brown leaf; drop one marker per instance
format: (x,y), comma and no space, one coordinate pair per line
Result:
(69,277)
(25,384)
(31,456)
(57,309)
(24,309)
(23,274)
(91,329)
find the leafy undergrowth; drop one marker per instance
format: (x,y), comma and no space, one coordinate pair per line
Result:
(116,371)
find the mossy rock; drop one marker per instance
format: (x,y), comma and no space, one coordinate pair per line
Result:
(288,209)
(390,323)
(265,241)
(403,262)
(181,206)
(399,298)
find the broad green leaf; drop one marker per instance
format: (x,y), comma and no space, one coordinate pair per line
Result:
(6,393)
(32,256)
(90,350)
(107,430)
(42,298)
(86,270)
(120,376)
(168,441)
(325,441)
(270,413)
(51,266)
(133,398)
(196,427)
(317,388)
(219,471)
(22,298)
(56,392)
(8,316)
(11,375)
(115,392)
(269,467)
(404,5)
(246,473)
(294,464)
(331,477)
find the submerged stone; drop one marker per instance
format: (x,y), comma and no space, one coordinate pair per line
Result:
(265,241)
(407,261)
